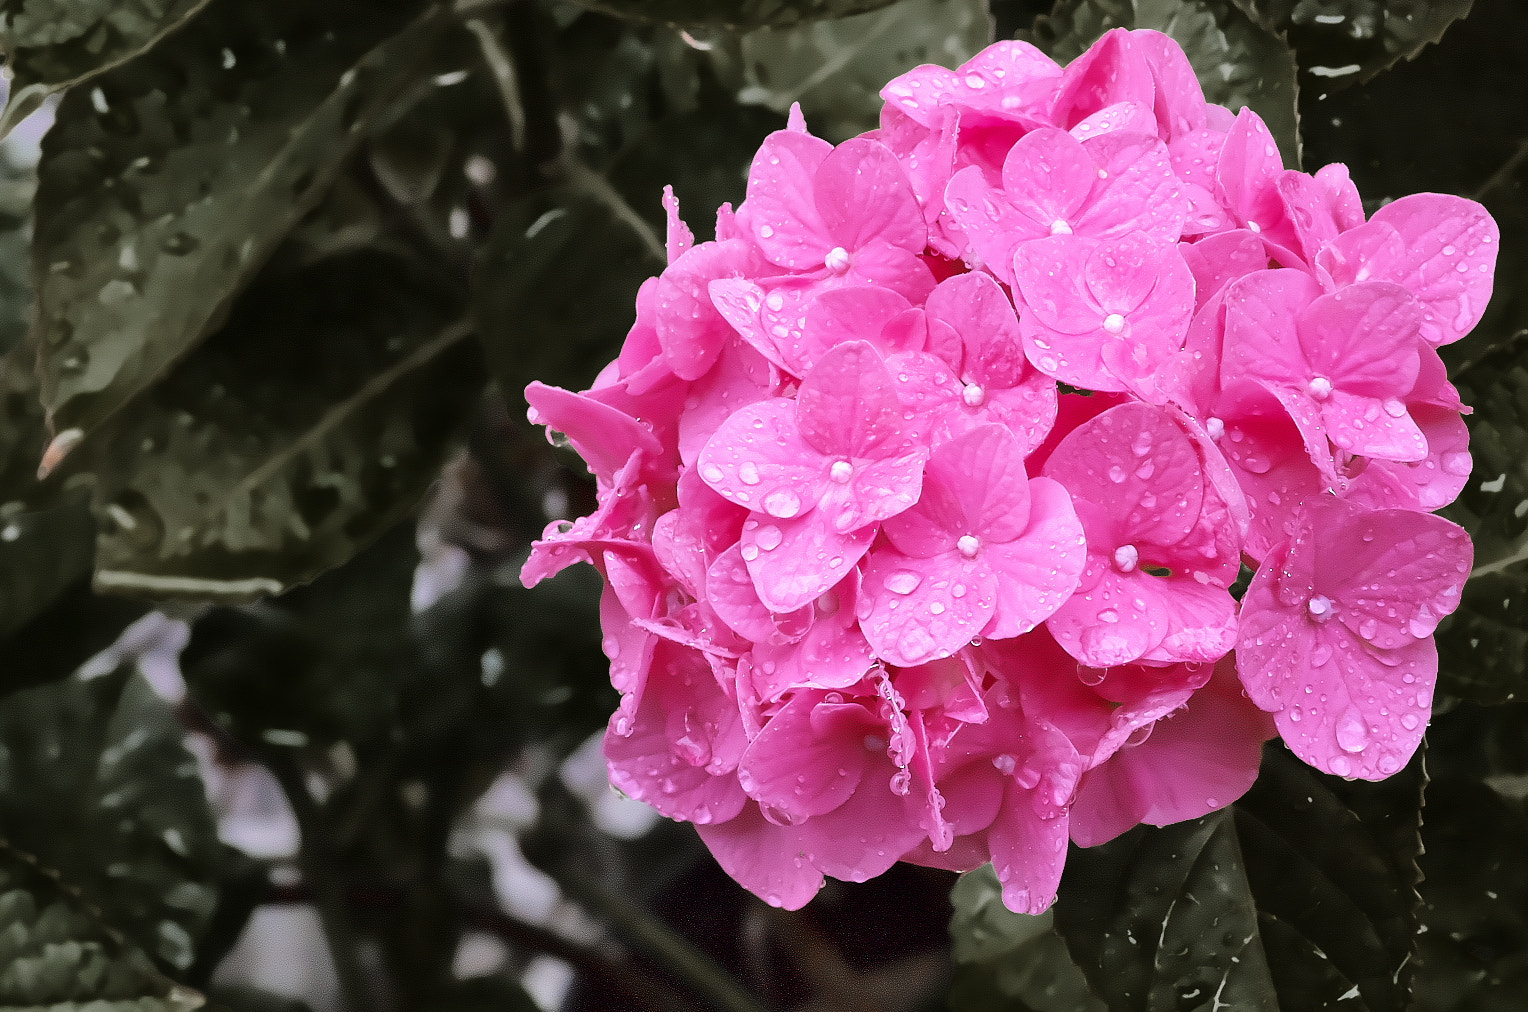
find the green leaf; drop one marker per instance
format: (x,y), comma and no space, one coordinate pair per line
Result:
(96,783)
(56,953)
(18,184)
(1483,647)
(320,664)
(1333,864)
(52,44)
(556,285)
(733,14)
(1165,919)
(167,182)
(314,421)
(836,69)
(41,555)
(1238,62)
(1303,895)
(1003,957)
(1476,895)
(1344,41)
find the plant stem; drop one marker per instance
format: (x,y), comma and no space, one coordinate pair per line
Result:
(663,945)
(317,859)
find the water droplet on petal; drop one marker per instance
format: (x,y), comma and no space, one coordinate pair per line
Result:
(903,581)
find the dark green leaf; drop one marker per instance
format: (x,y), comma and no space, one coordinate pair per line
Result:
(556,286)
(1334,863)
(1004,957)
(319,664)
(51,44)
(168,181)
(739,14)
(96,783)
(311,423)
(41,555)
(1343,41)
(1301,896)
(1238,62)
(18,184)
(1475,921)
(1483,648)
(1164,919)
(55,952)
(836,69)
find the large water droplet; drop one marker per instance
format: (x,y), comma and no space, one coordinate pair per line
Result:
(1352,733)
(782,503)
(903,581)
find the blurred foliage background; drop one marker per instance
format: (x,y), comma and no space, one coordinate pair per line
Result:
(279,728)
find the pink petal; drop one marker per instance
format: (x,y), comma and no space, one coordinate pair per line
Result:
(1137,190)
(847,405)
(806,557)
(763,858)
(1111,70)
(864,197)
(679,237)
(1136,462)
(917,610)
(689,327)
(1262,341)
(602,435)
(731,594)
(1363,339)
(780,214)
(1394,573)
(1449,257)
(1039,570)
(758,460)
(858,313)
(809,758)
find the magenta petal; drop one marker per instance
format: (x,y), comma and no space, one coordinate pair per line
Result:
(1363,338)
(1140,195)
(1262,340)
(809,758)
(857,313)
(794,562)
(764,858)
(731,594)
(1109,624)
(864,196)
(1370,427)
(1047,176)
(758,460)
(1039,570)
(917,610)
(1448,259)
(780,215)
(991,225)
(604,436)
(847,405)
(1200,619)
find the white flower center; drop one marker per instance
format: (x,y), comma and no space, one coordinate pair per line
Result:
(969,545)
(1320,388)
(1061,227)
(1114,323)
(1320,607)
(1126,557)
(837,259)
(1215,427)
(973,395)
(841,471)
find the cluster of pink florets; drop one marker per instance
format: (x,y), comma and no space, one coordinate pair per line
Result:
(923,487)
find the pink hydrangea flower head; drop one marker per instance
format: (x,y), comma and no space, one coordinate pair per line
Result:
(923,488)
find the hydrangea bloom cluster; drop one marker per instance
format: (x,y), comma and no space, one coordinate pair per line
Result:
(923,487)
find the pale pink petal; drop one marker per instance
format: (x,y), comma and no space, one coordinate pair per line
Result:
(809,758)
(806,557)
(1111,70)
(758,460)
(780,214)
(1137,191)
(1395,573)
(847,405)
(602,435)
(679,238)
(1039,570)
(763,858)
